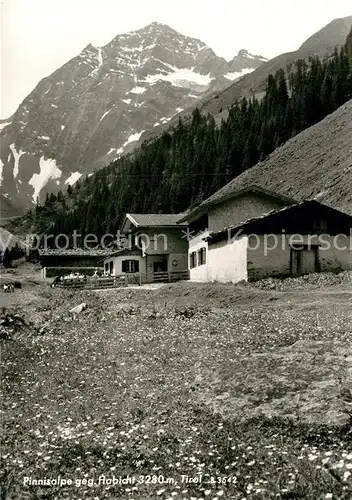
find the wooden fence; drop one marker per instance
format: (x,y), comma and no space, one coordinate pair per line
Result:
(52,272)
(160,277)
(94,283)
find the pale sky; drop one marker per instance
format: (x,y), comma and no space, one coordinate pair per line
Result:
(38,36)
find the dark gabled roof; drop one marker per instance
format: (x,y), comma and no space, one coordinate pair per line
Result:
(254,223)
(154,220)
(133,252)
(123,252)
(231,191)
(75,252)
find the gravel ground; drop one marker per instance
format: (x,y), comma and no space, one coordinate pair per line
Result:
(307,282)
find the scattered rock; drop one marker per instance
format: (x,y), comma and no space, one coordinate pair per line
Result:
(128,311)
(78,309)
(308,281)
(224,395)
(189,312)
(11,324)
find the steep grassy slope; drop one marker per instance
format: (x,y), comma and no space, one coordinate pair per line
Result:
(317,163)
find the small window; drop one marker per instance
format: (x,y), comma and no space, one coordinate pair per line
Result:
(111,267)
(106,266)
(320,224)
(202,258)
(130,266)
(192,260)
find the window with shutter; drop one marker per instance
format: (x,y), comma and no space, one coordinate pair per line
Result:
(130,266)
(202,256)
(193,260)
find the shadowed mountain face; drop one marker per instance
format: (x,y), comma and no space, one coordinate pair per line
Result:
(96,107)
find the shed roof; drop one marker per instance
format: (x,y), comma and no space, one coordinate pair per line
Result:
(231,191)
(155,220)
(123,252)
(257,223)
(75,252)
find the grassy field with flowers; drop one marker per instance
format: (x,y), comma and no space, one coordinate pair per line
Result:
(187,392)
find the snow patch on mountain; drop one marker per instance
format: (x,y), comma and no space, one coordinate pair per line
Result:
(106,113)
(99,57)
(140,48)
(16,155)
(138,90)
(133,138)
(238,74)
(178,77)
(165,119)
(73,178)
(48,170)
(3,125)
(138,78)
(1,169)
(117,151)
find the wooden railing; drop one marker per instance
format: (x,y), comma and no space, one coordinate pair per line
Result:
(170,276)
(158,277)
(51,272)
(94,283)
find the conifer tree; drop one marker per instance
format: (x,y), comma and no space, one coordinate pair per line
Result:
(197,157)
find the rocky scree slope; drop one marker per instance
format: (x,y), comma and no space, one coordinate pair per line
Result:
(316,164)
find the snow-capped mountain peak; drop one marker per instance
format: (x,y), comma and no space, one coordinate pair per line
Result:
(97,106)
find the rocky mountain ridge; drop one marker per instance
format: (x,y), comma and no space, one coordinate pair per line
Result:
(97,106)
(321,44)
